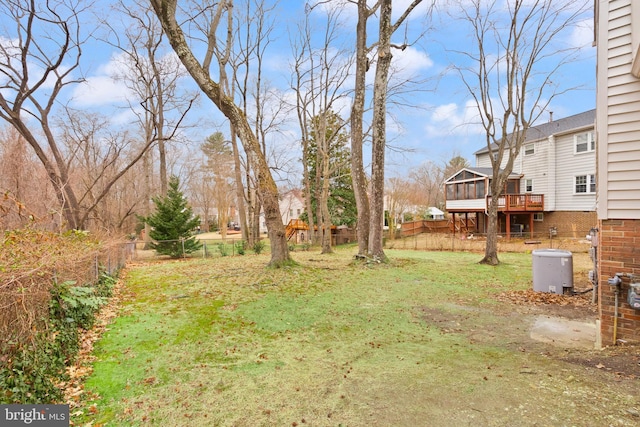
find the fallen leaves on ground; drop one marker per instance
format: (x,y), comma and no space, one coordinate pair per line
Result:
(75,394)
(531,297)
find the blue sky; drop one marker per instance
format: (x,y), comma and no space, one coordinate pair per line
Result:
(436,120)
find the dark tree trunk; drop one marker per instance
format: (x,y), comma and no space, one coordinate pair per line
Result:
(357,132)
(266,186)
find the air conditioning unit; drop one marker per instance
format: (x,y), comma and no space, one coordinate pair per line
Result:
(552,271)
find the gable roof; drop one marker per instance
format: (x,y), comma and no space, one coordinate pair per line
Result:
(432,210)
(295,193)
(481,172)
(544,130)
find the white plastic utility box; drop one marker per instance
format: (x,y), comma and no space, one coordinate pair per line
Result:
(552,271)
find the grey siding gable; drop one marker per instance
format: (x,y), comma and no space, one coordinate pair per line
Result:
(618,111)
(484,161)
(534,167)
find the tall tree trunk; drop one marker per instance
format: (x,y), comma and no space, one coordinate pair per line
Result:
(266,185)
(148,203)
(379,132)
(323,200)
(242,211)
(357,131)
(255,223)
(307,200)
(491,247)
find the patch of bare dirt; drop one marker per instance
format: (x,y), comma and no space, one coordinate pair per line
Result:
(516,318)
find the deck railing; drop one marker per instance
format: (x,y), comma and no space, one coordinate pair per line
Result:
(519,202)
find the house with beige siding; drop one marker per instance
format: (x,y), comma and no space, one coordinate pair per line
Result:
(618,168)
(291,205)
(552,185)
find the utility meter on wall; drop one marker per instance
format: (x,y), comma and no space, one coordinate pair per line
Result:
(634,295)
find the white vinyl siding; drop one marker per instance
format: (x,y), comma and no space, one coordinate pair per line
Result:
(570,165)
(484,161)
(618,105)
(469,204)
(534,168)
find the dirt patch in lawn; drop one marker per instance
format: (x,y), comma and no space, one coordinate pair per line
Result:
(555,325)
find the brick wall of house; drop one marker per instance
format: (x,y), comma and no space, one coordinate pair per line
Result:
(575,224)
(618,252)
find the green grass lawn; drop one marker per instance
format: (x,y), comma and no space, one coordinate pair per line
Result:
(228,342)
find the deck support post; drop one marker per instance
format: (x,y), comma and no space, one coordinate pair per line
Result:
(531,225)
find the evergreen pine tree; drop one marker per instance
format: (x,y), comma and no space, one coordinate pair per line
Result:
(173,223)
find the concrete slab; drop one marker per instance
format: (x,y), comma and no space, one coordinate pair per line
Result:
(564,332)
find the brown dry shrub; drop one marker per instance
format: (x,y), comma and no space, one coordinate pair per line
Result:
(31,261)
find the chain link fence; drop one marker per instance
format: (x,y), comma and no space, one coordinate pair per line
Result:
(210,248)
(32,262)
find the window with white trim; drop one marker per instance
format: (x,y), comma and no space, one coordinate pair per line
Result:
(538,216)
(528,185)
(585,184)
(584,142)
(529,149)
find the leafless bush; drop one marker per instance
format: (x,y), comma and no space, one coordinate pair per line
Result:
(31,261)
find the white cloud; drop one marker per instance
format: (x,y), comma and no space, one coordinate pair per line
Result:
(582,34)
(453,119)
(100,90)
(103,88)
(411,60)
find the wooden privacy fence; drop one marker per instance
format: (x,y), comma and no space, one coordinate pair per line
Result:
(424,226)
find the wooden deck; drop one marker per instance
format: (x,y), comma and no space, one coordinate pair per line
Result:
(519,202)
(293,227)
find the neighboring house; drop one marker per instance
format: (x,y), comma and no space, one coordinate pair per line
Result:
(291,207)
(433,213)
(552,185)
(618,125)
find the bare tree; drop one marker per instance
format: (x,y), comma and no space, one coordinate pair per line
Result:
(320,73)
(371,211)
(427,180)
(28,69)
(200,185)
(219,166)
(36,66)
(508,69)
(96,156)
(21,202)
(259,102)
(209,21)
(358,175)
(152,74)
(398,199)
